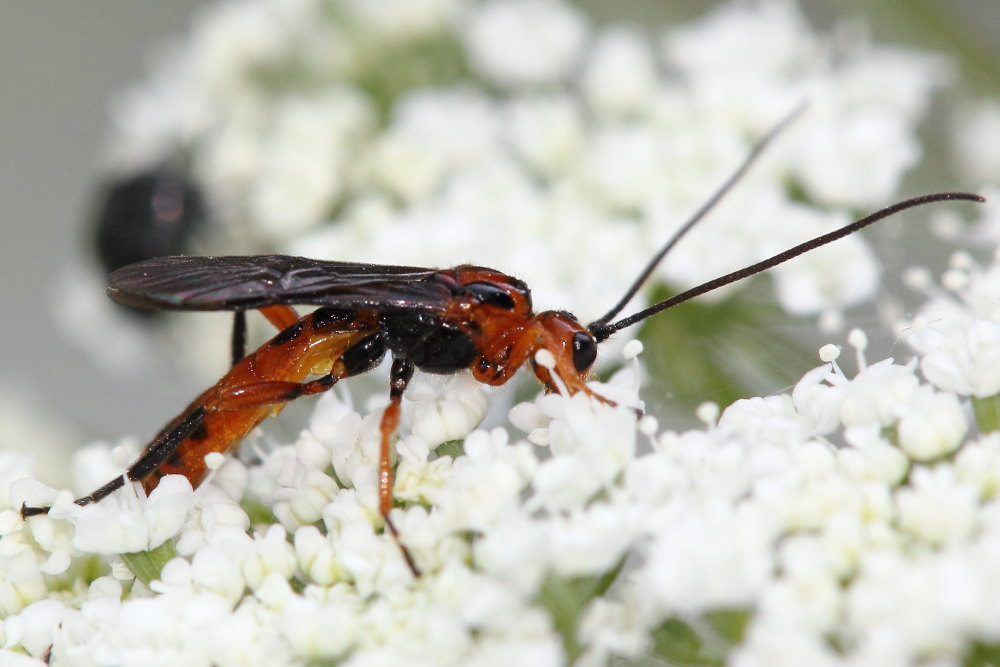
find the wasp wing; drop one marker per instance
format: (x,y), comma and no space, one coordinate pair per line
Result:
(248,282)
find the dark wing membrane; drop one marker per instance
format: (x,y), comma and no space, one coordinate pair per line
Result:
(247,282)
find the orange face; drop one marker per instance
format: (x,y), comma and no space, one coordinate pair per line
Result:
(507,334)
(573,349)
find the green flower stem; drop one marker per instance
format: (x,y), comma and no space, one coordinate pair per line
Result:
(987,412)
(146,565)
(566,598)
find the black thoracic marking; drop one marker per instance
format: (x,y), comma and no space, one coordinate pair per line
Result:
(289,334)
(429,343)
(364,355)
(174,459)
(325,317)
(491,295)
(200,432)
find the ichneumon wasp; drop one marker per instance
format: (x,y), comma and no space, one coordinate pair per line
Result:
(438,321)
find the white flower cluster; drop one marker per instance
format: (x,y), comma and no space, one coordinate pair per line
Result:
(854,521)
(957,332)
(516,134)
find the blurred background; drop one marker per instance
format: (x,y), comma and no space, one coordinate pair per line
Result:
(61,64)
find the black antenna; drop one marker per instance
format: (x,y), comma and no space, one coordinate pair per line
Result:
(699,214)
(601,331)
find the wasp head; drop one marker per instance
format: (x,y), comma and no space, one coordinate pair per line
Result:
(572,347)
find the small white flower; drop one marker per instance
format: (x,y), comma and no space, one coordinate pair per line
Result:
(449,413)
(15,466)
(931,424)
(818,396)
(780,642)
(592,542)
(760,42)
(769,419)
(547,131)
(515,552)
(978,465)
(432,134)
(33,627)
(959,338)
(935,507)
(524,42)
(625,165)
(371,561)
(420,480)
(320,631)
(270,554)
(216,571)
(613,627)
(404,19)
(590,443)
(620,78)
(315,556)
(16,659)
(706,555)
(877,391)
(126,521)
(966,360)
(274,591)
(870,458)
(876,138)
(976,128)
(306,158)
(486,484)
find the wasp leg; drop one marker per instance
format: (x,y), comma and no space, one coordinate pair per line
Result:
(280,316)
(399,378)
(271,392)
(158,451)
(238,344)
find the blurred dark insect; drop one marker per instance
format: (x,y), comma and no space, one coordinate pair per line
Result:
(151,214)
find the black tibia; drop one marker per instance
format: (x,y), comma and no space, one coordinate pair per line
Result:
(238,345)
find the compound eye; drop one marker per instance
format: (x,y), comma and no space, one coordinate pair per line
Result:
(491,295)
(584,351)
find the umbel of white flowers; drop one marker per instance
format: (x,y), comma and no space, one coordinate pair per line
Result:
(851,521)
